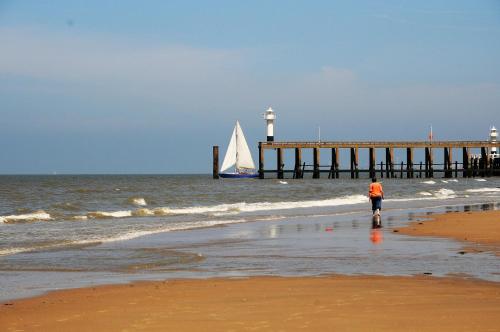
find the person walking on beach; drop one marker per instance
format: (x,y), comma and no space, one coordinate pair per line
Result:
(376,194)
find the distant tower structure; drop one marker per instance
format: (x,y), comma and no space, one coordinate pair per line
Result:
(270,116)
(493,138)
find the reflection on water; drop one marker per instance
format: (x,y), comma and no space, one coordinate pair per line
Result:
(376,236)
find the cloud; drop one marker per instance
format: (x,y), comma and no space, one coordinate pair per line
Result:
(175,83)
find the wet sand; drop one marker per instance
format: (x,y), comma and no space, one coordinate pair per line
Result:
(479,230)
(266,303)
(348,303)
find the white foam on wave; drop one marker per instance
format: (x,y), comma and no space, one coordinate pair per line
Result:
(453,180)
(115,214)
(483,190)
(229,209)
(271,206)
(138,201)
(35,216)
(480,180)
(428,182)
(444,193)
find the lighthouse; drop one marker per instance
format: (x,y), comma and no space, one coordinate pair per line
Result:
(270,116)
(493,138)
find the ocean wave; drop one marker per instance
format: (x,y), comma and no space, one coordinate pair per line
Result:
(480,180)
(267,206)
(34,216)
(137,201)
(483,190)
(228,209)
(444,193)
(428,182)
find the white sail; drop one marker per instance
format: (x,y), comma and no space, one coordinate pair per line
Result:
(237,154)
(230,158)
(244,157)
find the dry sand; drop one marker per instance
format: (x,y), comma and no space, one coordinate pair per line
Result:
(340,303)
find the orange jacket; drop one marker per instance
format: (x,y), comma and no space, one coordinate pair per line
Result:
(376,190)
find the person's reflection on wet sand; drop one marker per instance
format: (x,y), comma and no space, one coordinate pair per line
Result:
(376,236)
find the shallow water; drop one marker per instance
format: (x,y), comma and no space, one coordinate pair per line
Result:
(223,228)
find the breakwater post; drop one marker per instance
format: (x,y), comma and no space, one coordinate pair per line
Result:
(215,163)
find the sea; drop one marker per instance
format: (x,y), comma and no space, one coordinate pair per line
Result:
(66,231)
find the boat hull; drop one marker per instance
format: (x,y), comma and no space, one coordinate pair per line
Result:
(239,175)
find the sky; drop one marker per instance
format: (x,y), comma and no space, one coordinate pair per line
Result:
(150,86)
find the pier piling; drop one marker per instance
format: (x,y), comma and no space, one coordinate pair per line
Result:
(261,161)
(372,162)
(279,163)
(465,163)
(316,170)
(298,164)
(354,163)
(335,162)
(484,162)
(409,163)
(447,162)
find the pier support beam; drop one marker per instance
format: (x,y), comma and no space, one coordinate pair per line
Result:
(354,163)
(316,163)
(261,161)
(409,163)
(447,163)
(335,162)
(298,164)
(279,163)
(372,162)
(484,162)
(215,154)
(429,168)
(389,162)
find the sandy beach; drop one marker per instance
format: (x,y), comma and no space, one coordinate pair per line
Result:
(480,231)
(349,303)
(266,304)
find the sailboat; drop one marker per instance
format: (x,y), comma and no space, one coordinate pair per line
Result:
(238,156)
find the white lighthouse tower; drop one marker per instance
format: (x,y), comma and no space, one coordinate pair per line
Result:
(270,116)
(493,138)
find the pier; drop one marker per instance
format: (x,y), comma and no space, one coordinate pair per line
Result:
(468,165)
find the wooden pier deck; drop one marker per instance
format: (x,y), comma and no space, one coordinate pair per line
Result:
(468,165)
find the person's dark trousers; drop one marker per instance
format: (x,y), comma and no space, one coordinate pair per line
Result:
(376,203)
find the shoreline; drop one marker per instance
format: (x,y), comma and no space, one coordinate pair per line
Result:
(344,302)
